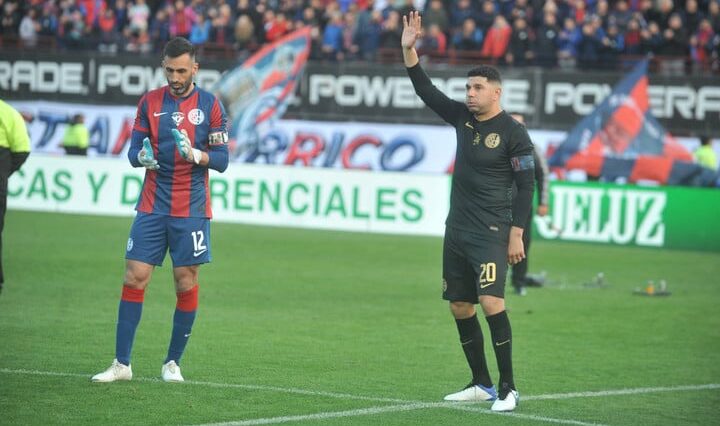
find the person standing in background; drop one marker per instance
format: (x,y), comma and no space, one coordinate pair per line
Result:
(77,136)
(14,150)
(520,278)
(705,155)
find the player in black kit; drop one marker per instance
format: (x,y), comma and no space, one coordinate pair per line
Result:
(484,228)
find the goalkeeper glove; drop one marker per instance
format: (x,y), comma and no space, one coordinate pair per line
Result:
(146,157)
(187,152)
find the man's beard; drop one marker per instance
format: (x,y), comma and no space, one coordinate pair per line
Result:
(180,90)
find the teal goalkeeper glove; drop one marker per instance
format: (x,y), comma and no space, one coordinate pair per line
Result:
(146,157)
(187,152)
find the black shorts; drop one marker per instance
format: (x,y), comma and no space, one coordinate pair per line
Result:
(474,264)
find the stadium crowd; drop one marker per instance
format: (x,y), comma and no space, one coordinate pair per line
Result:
(548,33)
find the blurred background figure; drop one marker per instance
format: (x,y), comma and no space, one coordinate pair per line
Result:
(77,136)
(705,155)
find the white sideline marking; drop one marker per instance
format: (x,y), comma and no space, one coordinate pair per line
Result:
(401,404)
(615,392)
(329,415)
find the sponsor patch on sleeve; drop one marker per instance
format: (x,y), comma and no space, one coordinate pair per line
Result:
(218,138)
(523,162)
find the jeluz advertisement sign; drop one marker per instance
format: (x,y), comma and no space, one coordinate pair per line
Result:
(669,217)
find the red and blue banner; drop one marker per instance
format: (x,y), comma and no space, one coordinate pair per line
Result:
(620,140)
(258,92)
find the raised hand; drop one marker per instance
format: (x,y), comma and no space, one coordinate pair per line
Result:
(412,29)
(146,157)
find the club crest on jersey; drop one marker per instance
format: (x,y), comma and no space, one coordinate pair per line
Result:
(492,140)
(178,117)
(129,244)
(196,116)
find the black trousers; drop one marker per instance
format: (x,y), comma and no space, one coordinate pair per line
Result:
(520,269)
(5,167)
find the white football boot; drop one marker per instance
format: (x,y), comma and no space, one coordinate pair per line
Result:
(473,393)
(117,371)
(511,400)
(171,372)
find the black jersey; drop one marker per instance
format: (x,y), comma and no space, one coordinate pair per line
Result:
(490,155)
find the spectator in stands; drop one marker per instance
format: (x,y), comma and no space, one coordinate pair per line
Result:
(138,15)
(590,45)
(651,39)
(633,38)
(221,29)
(200,32)
(613,45)
(434,40)
(10,20)
(461,12)
(546,42)
(469,38)
(691,17)
(520,51)
(486,18)
(108,32)
(181,20)
(276,25)
(48,21)
(567,43)
(244,33)
(522,10)
(350,49)
(29,28)
(714,15)
(367,32)
(675,46)
(701,43)
(705,154)
(77,136)
(391,31)
(667,8)
(620,15)
(73,29)
(332,37)
(436,14)
(497,39)
(160,27)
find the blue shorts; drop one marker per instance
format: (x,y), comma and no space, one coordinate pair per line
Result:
(188,239)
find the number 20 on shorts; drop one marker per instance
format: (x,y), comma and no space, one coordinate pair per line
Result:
(487,273)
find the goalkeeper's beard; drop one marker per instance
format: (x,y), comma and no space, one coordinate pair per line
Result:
(182,90)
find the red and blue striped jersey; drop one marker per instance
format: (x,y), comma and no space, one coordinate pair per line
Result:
(179,188)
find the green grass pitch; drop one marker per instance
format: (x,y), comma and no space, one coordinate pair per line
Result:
(308,327)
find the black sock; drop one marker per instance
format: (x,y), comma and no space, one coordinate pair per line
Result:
(502,343)
(471,339)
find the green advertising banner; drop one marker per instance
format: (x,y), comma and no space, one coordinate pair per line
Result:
(398,203)
(669,217)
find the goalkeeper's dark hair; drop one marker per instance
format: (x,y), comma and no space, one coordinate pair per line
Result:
(491,73)
(179,46)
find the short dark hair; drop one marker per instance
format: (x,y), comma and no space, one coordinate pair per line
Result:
(705,140)
(179,46)
(491,73)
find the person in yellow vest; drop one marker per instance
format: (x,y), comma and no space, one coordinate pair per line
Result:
(14,150)
(77,136)
(705,155)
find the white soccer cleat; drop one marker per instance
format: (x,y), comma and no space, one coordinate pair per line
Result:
(171,372)
(117,371)
(473,393)
(508,404)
